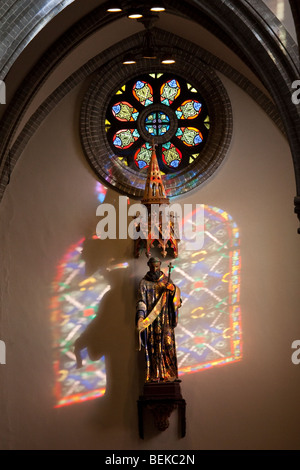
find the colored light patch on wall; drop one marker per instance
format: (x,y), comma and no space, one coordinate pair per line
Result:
(209,331)
(100,191)
(74,304)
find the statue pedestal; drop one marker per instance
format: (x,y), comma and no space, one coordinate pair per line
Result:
(161,399)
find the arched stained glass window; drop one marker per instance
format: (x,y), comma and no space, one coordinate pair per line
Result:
(159,108)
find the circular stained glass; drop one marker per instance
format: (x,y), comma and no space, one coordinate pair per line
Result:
(161,109)
(184,111)
(157,123)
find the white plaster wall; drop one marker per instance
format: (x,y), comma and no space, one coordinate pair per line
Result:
(50,204)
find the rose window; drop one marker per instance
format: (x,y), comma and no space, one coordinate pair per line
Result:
(161,109)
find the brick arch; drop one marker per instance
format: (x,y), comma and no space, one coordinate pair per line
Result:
(21,24)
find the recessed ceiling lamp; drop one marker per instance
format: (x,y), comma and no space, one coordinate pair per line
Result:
(168,59)
(129,59)
(157,8)
(135,14)
(115,8)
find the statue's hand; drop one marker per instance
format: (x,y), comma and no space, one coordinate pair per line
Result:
(171,287)
(140,324)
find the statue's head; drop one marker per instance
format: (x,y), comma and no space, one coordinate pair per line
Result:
(153,260)
(154,265)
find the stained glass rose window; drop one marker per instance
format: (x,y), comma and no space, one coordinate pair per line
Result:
(159,108)
(184,109)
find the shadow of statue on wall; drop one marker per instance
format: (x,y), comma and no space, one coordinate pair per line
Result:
(112,334)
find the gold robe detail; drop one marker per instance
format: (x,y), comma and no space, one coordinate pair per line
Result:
(159,309)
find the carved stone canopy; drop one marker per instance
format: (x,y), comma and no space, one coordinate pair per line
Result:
(156,230)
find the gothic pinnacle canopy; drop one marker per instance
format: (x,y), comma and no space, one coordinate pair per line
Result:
(154,189)
(159,229)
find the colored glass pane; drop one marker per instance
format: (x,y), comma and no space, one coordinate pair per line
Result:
(124,138)
(123,160)
(143,92)
(189,135)
(169,92)
(206,122)
(191,88)
(189,109)
(171,155)
(193,157)
(157,123)
(143,156)
(124,111)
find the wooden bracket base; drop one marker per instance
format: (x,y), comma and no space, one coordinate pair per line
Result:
(162,398)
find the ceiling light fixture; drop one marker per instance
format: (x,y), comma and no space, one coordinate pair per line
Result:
(129,59)
(157,8)
(149,50)
(115,8)
(168,59)
(135,14)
